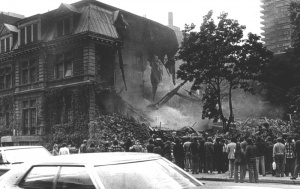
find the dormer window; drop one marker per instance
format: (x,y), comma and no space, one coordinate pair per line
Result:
(29,34)
(64,27)
(5,44)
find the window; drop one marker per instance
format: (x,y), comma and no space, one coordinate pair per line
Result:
(64,66)
(74,177)
(5,45)
(1,115)
(40,177)
(68,114)
(5,78)
(29,34)
(63,27)
(29,73)
(29,117)
(7,115)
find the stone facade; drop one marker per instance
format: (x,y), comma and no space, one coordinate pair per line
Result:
(86,43)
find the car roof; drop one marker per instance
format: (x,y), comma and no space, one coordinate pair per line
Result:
(19,147)
(102,158)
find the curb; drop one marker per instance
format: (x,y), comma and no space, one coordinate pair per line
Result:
(291,182)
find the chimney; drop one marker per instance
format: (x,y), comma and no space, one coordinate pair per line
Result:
(170,19)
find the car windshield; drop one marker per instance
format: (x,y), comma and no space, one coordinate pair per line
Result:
(25,154)
(147,174)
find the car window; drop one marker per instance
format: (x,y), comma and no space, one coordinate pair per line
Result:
(148,174)
(75,178)
(40,177)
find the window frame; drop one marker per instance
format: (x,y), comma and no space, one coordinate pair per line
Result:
(57,175)
(27,115)
(31,68)
(34,33)
(3,44)
(61,61)
(61,31)
(5,73)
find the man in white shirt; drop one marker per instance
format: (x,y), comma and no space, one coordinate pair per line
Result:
(230,151)
(64,150)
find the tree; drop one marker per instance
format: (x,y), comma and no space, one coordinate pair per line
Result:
(294,92)
(218,60)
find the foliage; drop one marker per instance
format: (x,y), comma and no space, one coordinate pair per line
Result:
(218,60)
(58,128)
(294,92)
(7,100)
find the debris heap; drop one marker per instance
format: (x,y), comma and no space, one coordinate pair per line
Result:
(115,126)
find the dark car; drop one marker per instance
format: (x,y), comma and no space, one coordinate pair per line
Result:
(100,170)
(13,155)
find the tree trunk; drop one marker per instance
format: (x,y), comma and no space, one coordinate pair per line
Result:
(231,117)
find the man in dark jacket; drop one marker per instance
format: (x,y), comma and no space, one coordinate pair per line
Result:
(178,154)
(251,151)
(195,155)
(209,154)
(297,153)
(260,156)
(218,153)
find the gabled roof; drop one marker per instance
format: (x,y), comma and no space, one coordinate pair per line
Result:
(7,29)
(11,28)
(98,20)
(63,8)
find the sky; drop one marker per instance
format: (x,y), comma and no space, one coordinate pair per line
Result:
(247,12)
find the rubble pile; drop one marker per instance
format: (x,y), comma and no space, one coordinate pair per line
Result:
(264,127)
(115,126)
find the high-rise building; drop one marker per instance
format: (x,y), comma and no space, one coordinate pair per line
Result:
(276,25)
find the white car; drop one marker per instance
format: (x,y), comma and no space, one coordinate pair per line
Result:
(13,155)
(116,170)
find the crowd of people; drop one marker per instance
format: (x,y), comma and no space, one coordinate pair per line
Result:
(257,155)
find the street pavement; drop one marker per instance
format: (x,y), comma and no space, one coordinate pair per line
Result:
(224,177)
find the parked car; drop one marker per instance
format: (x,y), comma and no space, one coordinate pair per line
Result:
(13,155)
(100,170)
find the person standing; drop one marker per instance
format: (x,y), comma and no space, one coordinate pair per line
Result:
(297,153)
(251,151)
(217,154)
(239,160)
(157,148)
(115,147)
(260,158)
(137,147)
(224,143)
(128,144)
(64,150)
(178,153)
(194,148)
(150,146)
(55,151)
(268,155)
(92,148)
(167,151)
(209,154)
(243,144)
(202,164)
(289,157)
(187,153)
(83,147)
(230,151)
(278,155)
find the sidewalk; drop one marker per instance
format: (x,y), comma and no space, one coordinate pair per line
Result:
(224,177)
